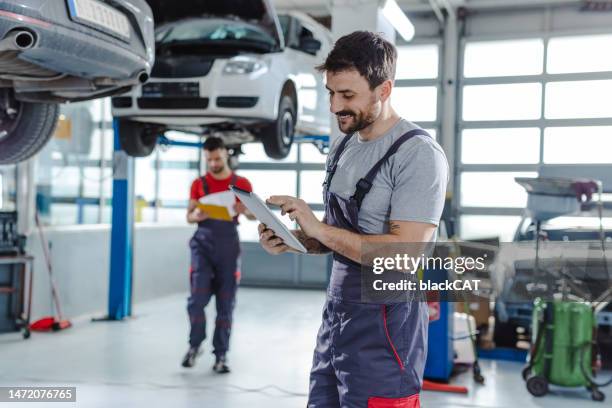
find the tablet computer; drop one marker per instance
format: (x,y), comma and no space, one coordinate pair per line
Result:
(260,210)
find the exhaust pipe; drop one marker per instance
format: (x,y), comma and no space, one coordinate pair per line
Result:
(18,40)
(24,39)
(143,77)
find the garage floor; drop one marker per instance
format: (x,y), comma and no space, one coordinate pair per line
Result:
(136,363)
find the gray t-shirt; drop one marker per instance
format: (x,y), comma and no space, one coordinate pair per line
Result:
(411,186)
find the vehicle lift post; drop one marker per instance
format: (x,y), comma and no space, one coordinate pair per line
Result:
(122,233)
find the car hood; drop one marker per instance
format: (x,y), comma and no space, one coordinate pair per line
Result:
(260,12)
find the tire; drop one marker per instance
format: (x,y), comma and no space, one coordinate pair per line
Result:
(28,131)
(277,137)
(138,139)
(537,386)
(597,395)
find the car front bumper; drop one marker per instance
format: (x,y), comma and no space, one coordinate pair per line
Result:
(221,98)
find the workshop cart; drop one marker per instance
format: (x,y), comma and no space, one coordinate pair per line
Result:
(16,273)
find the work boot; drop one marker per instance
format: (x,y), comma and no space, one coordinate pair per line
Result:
(190,358)
(220,366)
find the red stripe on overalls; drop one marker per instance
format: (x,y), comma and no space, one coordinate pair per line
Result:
(405,402)
(397,357)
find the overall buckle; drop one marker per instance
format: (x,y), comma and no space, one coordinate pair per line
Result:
(329,174)
(363,187)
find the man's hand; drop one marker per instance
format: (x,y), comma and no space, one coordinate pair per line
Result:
(240,208)
(199,215)
(270,242)
(298,211)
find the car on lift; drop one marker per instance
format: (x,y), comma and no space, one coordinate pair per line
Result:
(232,68)
(54,51)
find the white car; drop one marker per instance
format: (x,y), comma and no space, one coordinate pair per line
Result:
(232,68)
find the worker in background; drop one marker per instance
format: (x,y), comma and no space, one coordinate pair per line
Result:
(215,256)
(386,182)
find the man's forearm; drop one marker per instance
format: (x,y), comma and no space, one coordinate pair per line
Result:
(311,244)
(350,244)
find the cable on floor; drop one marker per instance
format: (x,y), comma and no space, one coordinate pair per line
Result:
(214,387)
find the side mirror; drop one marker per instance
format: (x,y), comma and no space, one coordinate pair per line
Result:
(310,45)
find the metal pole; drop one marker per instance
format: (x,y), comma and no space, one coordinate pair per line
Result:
(121,262)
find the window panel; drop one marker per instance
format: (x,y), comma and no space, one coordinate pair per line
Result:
(503,58)
(272,182)
(502,102)
(310,154)
(95,152)
(144,180)
(100,109)
(493,189)
(65,181)
(417,62)
(415,103)
(91,181)
(311,186)
(255,153)
(433,133)
(107,213)
(579,99)
(90,214)
(64,214)
(109,141)
(579,54)
(175,184)
(486,226)
(172,216)
(586,144)
(147,215)
(500,146)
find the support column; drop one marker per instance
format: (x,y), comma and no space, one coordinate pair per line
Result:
(121,262)
(450,77)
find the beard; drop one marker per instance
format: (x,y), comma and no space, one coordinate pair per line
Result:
(355,121)
(216,170)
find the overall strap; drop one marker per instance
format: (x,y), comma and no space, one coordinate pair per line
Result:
(333,165)
(365,184)
(234,179)
(205,185)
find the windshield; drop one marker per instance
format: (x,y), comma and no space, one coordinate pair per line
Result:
(214,31)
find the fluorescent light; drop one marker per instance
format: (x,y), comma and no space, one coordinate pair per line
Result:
(398,20)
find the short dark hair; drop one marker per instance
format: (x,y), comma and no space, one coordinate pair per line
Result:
(367,52)
(213,143)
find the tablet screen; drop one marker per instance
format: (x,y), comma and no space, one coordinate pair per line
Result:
(260,210)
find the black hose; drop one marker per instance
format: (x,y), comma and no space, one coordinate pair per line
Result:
(588,376)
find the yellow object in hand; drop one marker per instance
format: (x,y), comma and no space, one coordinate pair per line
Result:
(217,212)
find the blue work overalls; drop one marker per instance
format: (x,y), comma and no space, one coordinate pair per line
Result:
(367,355)
(215,252)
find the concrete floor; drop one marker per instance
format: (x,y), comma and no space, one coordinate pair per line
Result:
(136,363)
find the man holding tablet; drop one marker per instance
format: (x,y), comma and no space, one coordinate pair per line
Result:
(386,182)
(215,252)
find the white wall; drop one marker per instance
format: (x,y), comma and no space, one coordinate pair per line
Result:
(81,256)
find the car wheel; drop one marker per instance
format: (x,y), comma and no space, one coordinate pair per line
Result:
(25,127)
(277,137)
(138,139)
